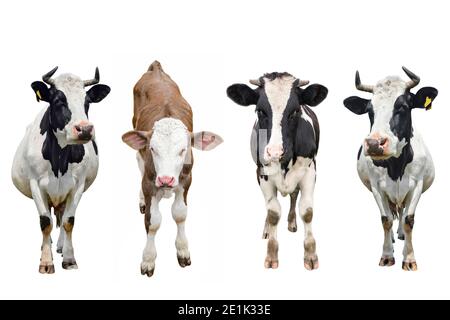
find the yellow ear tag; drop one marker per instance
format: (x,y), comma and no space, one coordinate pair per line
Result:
(427,104)
(38,94)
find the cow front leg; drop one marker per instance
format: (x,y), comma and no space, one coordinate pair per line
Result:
(179,214)
(46,223)
(152,224)
(68,222)
(307,184)
(387,219)
(292,217)
(409,260)
(270,230)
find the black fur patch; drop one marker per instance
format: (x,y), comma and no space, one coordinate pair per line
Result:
(71,220)
(45,222)
(95,147)
(396,166)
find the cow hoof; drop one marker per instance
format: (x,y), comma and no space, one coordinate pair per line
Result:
(270,263)
(47,269)
(311,263)
(142,208)
(387,261)
(401,237)
(292,226)
(184,262)
(409,266)
(69,265)
(147,269)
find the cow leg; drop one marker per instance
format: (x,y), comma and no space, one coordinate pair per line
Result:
(179,214)
(45,219)
(409,260)
(387,220)
(400,233)
(273,216)
(292,218)
(152,224)
(307,184)
(59,212)
(141,165)
(68,222)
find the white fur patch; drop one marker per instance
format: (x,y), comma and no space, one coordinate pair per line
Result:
(169,145)
(278,92)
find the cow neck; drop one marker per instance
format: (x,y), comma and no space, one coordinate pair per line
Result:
(59,158)
(396,166)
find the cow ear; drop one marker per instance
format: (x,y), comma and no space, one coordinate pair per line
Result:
(242,94)
(313,95)
(205,140)
(137,139)
(98,92)
(357,105)
(41,90)
(424,97)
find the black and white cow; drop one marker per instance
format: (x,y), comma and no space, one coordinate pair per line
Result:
(57,159)
(284,143)
(393,161)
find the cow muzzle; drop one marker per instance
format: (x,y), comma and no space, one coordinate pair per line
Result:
(376,147)
(273,153)
(165,182)
(83,132)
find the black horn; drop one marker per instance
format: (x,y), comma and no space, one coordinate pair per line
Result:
(47,78)
(414,79)
(93,81)
(362,87)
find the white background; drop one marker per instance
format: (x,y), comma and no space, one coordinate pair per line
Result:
(205,47)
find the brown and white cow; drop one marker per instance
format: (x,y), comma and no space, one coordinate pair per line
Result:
(163,135)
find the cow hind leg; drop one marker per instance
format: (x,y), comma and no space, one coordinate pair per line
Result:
(141,165)
(292,217)
(59,212)
(179,214)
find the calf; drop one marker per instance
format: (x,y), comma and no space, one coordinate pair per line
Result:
(284,143)
(164,139)
(393,161)
(57,159)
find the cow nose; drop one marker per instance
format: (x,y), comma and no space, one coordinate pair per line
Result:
(84,132)
(375,147)
(166,181)
(274,152)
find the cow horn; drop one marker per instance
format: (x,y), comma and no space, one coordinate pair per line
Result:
(414,79)
(256,82)
(47,78)
(93,81)
(302,83)
(362,87)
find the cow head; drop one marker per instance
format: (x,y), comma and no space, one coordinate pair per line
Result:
(278,98)
(390,113)
(169,144)
(67,115)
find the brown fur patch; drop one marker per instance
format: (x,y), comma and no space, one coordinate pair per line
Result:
(310,245)
(272,248)
(409,223)
(308,216)
(273,217)
(387,223)
(68,225)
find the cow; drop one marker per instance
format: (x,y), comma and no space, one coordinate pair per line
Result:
(57,160)
(393,161)
(284,145)
(163,137)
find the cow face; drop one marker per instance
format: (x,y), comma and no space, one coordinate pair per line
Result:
(278,99)
(67,114)
(169,144)
(390,113)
